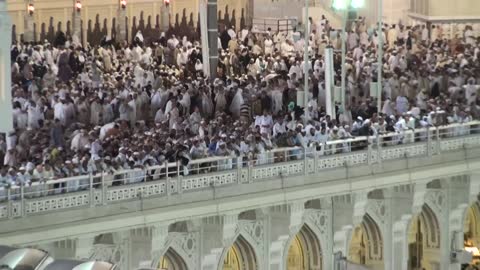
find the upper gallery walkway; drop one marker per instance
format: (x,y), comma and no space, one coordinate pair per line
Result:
(56,209)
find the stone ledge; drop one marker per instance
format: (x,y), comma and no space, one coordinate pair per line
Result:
(202,203)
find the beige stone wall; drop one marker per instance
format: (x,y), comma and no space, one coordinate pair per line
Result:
(454,8)
(62,10)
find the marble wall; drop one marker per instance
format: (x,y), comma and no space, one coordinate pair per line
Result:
(99,17)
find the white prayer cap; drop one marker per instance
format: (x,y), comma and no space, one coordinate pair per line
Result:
(30,166)
(21,168)
(359,118)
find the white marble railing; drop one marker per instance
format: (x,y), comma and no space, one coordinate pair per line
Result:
(174,178)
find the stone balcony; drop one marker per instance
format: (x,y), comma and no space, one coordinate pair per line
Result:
(313,173)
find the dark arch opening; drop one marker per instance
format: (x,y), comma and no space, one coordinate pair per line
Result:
(366,245)
(240,256)
(305,251)
(171,260)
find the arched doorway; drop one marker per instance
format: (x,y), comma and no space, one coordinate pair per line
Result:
(471,232)
(366,246)
(240,256)
(172,261)
(424,241)
(305,251)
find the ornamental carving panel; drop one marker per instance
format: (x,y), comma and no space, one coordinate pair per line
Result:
(3,211)
(436,200)
(133,191)
(450,145)
(255,231)
(474,140)
(319,218)
(186,245)
(389,153)
(377,210)
(338,161)
(57,203)
(204,181)
(285,169)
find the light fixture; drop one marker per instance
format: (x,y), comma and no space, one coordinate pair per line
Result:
(357,4)
(123,3)
(339,4)
(78,6)
(30,9)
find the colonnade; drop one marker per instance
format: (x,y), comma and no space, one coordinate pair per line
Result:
(425,225)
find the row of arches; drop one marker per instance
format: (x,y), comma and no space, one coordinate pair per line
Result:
(365,248)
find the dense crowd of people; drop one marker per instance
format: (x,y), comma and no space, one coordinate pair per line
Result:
(86,109)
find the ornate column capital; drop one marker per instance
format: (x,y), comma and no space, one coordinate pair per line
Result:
(230,228)
(159,239)
(297,209)
(359,207)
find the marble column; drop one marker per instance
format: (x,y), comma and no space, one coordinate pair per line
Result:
(77,27)
(164,17)
(122,27)
(6,122)
(212,25)
(28,34)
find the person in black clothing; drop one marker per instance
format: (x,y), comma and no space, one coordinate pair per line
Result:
(266,101)
(225,39)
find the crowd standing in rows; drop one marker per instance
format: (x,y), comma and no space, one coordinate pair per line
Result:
(83,110)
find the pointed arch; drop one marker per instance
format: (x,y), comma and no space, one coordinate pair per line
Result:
(423,239)
(432,227)
(471,227)
(171,260)
(303,250)
(366,243)
(241,255)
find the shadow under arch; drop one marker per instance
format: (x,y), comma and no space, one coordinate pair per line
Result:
(366,244)
(171,260)
(424,240)
(240,256)
(304,252)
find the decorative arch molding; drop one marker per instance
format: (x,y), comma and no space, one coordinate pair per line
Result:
(402,229)
(374,238)
(319,222)
(307,228)
(184,244)
(435,199)
(376,209)
(252,231)
(250,246)
(175,259)
(458,218)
